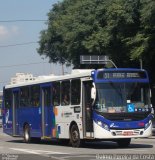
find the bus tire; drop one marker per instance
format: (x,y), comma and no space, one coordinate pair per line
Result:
(124,142)
(27,137)
(75,136)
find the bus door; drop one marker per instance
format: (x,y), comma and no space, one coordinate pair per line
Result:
(87,109)
(15,112)
(46,110)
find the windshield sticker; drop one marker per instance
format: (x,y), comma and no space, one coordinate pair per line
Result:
(131,107)
(111,110)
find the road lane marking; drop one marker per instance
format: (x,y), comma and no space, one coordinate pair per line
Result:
(137,150)
(24,150)
(37,151)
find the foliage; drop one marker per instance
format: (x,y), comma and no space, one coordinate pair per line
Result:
(122,29)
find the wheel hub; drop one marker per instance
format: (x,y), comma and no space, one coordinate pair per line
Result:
(26,135)
(75,136)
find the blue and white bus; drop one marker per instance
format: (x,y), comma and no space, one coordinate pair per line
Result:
(102,104)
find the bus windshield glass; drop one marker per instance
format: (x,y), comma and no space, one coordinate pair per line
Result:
(122,97)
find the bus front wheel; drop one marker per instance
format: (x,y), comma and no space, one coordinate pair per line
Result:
(27,137)
(124,142)
(75,136)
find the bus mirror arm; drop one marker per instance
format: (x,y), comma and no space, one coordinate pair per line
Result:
(150,94)
(152,110)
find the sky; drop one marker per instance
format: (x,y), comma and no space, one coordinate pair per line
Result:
(14,58)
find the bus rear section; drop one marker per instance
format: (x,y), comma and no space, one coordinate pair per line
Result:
(44,110)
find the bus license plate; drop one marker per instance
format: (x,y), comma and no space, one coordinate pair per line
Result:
(127,133)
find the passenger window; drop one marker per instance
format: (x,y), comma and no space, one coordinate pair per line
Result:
(75,91)
(24,97)
(65,93)
(47,96)
(56,93)
(35,96)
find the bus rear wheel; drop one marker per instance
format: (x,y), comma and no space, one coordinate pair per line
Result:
(27,137)
(75,136)
(124,142)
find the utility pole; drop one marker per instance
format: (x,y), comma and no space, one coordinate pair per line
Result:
(43,65)
(62,69)
(141,63)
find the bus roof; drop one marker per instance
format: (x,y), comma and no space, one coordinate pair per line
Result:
(76,73)
(50,78)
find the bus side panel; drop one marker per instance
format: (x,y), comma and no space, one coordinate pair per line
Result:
(8,121)
(53,124)
(31,116)
(60,124)
(64,117)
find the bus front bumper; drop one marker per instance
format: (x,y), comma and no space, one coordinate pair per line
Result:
(101,133)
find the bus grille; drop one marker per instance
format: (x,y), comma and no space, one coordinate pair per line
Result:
(125,116)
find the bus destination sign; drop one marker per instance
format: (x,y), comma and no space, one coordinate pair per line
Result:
(121,75)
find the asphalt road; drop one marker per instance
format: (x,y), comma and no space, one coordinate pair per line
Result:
(13,148)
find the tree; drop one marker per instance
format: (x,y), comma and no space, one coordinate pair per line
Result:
(86,27)
(122,29)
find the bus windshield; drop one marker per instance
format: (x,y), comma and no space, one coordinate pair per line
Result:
(122,97)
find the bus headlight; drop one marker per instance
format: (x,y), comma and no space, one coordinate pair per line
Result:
(103,125)
(147,124)
(99,123)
